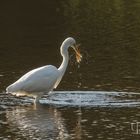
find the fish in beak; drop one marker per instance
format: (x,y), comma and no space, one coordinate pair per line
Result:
(77,51)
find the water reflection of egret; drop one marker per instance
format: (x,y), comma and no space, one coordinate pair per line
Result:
(46,78)
(25,123)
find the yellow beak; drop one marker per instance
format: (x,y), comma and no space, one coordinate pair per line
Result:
(78,54)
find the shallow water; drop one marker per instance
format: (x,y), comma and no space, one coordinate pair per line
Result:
(95,115)
(92,99)
(109,32)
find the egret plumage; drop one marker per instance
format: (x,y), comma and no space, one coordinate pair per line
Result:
(44,79)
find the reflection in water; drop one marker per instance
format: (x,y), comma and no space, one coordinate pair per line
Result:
(36,124)
(60,125)
(78,127)
(109,33)
(47,122)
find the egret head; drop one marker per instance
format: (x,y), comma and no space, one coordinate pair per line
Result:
(70,42)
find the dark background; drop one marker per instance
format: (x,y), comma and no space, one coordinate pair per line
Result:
(31,33)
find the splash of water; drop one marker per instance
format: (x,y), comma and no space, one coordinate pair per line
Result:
(93,99)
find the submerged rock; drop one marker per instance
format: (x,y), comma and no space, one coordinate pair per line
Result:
(7,101)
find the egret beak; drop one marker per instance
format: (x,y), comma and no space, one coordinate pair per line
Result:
(77,51)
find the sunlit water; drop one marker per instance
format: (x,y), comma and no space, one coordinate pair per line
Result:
(31,33)
(93,99)
(75,115)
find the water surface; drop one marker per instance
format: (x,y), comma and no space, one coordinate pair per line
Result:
(49,122)
(31,33)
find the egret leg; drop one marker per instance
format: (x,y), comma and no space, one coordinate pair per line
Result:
(37,99)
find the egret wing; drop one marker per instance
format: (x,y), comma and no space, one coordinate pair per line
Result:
(37,80)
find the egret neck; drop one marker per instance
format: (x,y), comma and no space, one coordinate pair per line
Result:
(65,55)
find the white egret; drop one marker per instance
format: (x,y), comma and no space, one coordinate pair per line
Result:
(44,79)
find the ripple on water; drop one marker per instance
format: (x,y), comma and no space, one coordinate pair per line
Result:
(93,99)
